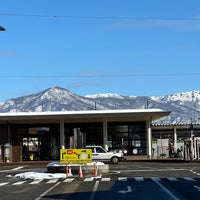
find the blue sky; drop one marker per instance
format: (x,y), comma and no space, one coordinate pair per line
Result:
(129,47)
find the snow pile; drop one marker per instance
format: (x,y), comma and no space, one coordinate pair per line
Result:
(97,163)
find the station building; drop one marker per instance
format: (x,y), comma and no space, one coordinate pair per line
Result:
(40,135)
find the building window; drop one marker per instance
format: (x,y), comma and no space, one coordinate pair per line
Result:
(130,136)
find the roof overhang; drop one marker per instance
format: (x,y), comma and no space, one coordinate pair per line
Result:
(84,116)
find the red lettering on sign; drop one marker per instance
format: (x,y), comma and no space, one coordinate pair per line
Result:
(69,151)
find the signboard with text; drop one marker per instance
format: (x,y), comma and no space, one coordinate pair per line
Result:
(79,156)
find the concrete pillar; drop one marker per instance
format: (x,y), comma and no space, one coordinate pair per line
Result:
(175,138)
(10,142)
(149,139)
(105,134)
(62,134)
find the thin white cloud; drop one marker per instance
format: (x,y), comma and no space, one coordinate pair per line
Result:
(76,85)
(90,73)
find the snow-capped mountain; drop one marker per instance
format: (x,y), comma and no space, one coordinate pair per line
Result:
(185,106)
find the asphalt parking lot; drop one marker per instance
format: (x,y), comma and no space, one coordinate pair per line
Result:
(127,180)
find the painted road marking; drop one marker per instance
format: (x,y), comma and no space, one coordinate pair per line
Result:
(122,179)
(155,179)
(36,181)
(88,179)
(189,179)
(47,191)
(139,178)
(17,168)
(94,190)
(129,189)
(197,187)
(172,179)
(19,183)
(52,180)
(105,179)
(68,180)
(166,190)
(2,184)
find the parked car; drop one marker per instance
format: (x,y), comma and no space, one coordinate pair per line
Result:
(100,154)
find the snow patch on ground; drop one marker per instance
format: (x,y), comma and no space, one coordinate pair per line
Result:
(39,175)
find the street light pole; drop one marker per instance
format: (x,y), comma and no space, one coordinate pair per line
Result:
(2,28)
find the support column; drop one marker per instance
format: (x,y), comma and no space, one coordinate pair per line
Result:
(62,134)
(9,141)
(175,138)
(149,139)
(105,134)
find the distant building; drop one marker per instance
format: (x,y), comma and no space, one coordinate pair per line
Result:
(177,136)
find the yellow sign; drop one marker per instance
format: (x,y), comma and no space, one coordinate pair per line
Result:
(79,156)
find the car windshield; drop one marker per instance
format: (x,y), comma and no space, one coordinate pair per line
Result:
(100,150)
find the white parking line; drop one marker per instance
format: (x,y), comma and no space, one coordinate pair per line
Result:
(94,190)
(166,190)
(47,191)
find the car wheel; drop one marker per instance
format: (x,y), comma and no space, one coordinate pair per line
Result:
(114,160)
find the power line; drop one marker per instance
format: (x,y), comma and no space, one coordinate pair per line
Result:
(100,17)
(101,75)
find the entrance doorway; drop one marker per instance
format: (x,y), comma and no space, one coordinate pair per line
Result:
(41,147)
(31,148)
(41,143)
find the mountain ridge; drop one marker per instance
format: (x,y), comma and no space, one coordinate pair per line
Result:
(185,106)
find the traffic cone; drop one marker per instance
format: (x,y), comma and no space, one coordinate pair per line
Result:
(67,169)
(95,169)
(80,174)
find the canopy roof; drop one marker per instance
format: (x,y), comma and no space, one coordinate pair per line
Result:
(83,116)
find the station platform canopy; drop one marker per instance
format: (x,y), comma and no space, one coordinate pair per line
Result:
(83,116)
